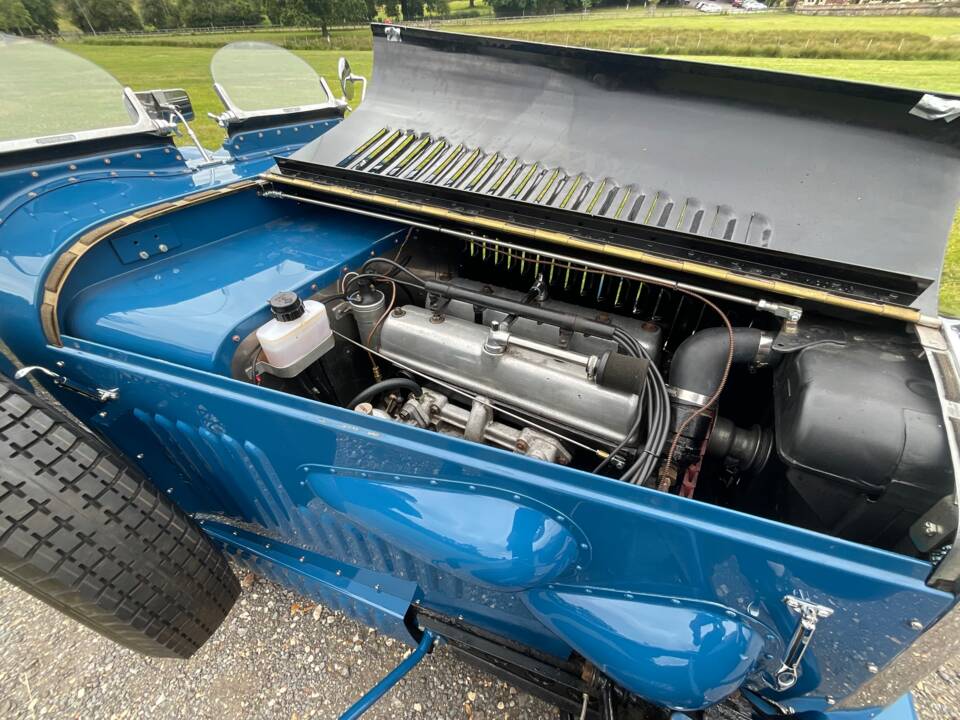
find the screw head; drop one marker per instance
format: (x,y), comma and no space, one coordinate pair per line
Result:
(872,668)
(930,528)
(144,255)
(102,413)
(162,248)
(60,363)
(139,456)
(916,625)
(106,161)
(399,312)
(236,338)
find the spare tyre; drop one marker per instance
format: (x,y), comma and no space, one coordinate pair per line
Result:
(83,530)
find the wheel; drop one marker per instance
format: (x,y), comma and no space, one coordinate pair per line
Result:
(84,531)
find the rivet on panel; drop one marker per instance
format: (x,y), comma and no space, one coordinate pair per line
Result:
(106,161)
(137,155)
(162,248)
(339,573)
(144,255)
(179,157)
(71,166)
(102,413)
(73,179)
(34,174)
(31,194)
(60,363)
(872,668)
(302,558)
(916,625)
(166,151)
(236,339)
(831,700)
(259,135)
(113,173)
(169,491)
(139,456)
(377,587)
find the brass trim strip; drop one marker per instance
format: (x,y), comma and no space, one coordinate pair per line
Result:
(57,277)
(779,287)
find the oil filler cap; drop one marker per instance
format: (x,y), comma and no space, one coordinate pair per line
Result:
(286,306)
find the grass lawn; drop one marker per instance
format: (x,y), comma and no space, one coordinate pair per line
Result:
(188,67)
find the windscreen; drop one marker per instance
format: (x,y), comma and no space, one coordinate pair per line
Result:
(49,91)
(261,76)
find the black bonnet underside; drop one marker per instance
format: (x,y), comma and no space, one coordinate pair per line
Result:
(835,181)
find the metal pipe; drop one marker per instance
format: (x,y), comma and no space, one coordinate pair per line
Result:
(569,356)
(761,304)
(393,677)
(567,321)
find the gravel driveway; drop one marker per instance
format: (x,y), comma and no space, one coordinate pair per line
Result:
(276,656)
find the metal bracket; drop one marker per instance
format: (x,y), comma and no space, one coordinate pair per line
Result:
(810,614)
(790,314)
(94,393)
(295,368)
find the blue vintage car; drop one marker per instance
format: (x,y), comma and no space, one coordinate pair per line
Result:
(621,376)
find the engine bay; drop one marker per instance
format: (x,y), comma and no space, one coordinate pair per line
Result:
(831,423)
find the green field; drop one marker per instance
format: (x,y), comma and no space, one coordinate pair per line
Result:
(184,60)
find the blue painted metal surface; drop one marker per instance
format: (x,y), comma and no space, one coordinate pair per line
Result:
(218,434)
(689,655)
(558,559)
(176,308)
(504,542)
(376,599)
(392,678)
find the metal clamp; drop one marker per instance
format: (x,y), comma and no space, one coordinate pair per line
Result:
(94,393)
(810,614)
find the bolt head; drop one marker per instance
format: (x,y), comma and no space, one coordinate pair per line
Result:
(102,413)
(930,528)
(236,338)
(872,668)
(144,255)
(916,625)
(162,248)
(831,700)
(60,363)
(139,456)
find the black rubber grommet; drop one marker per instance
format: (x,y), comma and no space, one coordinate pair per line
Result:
(622,372)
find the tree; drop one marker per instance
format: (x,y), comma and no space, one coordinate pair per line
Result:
(14,17)
(103,15)
(43,13)
(510,8)
(205,13)
(160,14)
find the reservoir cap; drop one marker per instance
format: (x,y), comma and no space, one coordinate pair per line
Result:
(286,306)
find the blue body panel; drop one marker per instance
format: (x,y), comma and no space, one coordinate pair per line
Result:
(677,600)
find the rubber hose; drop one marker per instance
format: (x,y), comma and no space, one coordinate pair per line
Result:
(397,383)
(699,361)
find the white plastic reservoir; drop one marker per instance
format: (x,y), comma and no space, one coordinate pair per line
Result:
(298,328)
